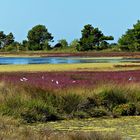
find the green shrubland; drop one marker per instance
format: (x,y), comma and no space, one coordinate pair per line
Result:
(32,104)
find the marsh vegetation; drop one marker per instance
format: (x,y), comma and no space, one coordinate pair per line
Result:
(34,105)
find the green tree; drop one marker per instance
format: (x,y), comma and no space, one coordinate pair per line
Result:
(92,38)
(2,38)
(24,45)
(15,46)
(131,39)
(74,43)
(47,46)
(37,37)
(6,40)
(64,43)
(9,39)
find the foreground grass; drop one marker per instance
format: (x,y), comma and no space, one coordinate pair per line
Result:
(127,127)
(24,111)
(11,129)
(69,67)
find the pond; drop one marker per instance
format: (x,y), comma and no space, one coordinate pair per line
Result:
(62,60)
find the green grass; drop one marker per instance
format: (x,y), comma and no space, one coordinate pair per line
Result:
(69,67)
(13,129)
(22,105)
(32,104)
(128,127)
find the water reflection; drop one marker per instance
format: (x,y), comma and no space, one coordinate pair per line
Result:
(61,60)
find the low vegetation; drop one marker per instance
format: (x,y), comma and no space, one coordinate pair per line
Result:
(23,105)
(12,129)
(69,67)
(32,104)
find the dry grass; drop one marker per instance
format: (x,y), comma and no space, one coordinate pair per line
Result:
(11,129)
(18,99)
(67,67)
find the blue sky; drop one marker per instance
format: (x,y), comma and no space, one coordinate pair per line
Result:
(65,18)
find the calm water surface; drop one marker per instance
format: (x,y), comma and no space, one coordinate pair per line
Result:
(62,60)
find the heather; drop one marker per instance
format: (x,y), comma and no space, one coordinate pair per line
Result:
(59,80)
(69,105)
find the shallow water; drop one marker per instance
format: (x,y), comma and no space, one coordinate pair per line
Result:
(62,60)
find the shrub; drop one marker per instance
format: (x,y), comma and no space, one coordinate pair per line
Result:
(12,106)
(97,112)
(125,109)
(86,104)
(71,102)
(37,110)
(137,108)
(112,97)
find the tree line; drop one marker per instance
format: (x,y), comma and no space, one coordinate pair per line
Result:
(39,38)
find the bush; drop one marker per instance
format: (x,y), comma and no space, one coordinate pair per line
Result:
(71,102)
(88,103)
(39,111)
(97,112)
(137,108)
(111,97)
(125,110)
(12,106)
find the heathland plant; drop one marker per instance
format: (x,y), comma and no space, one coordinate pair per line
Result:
(32,104)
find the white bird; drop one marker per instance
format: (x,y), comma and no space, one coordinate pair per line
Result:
(130,78)
(25,79)
(73,81)
(57,82)
(21,80)
(52,80)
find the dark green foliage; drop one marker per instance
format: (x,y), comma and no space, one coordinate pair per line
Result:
(64,43)
(103,45)
(112,97)
(46,46)
(34,104)
(71,102)
(137,108)
(12,106)
(38,36)
(14,47)
(97,112)
(92,38)
(2,39)
(57,46)
(6,40)
(61,45)
(9,39)
(89,103)
(34,47)
(39,111)
(130,41)
(125,109)
(24,45)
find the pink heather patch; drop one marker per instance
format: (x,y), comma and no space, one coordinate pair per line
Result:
(70,79)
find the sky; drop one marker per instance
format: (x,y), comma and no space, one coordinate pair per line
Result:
(65,18)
